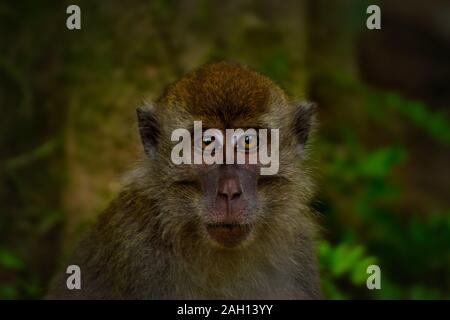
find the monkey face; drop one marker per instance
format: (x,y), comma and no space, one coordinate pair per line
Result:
(229,201)
(221,204)
(225,191)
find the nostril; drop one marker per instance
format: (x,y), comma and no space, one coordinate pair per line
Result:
(224,196)
(235,196)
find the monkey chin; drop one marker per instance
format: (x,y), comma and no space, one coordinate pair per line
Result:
(228,235)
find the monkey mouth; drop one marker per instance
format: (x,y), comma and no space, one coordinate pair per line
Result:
(228,234)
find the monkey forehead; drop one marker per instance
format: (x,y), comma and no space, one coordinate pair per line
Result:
(226,92)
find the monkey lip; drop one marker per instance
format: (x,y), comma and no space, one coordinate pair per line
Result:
(228,234)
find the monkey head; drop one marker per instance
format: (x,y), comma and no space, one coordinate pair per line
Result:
(226,206)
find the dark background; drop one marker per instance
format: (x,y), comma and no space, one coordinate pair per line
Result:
(68,129)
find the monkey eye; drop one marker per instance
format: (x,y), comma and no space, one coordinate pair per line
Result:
(248,142)
(211,139)
(208,142)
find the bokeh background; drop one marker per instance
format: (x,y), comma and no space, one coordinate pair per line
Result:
(68,129)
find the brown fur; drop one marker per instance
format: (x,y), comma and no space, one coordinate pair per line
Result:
(148,243)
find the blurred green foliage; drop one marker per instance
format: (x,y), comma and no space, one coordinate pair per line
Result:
(412,248)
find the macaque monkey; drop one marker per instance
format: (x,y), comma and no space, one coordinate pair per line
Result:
(208,231)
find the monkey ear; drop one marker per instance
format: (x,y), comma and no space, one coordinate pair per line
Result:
(304,120)
(148,129)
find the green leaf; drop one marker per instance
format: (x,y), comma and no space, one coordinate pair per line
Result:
(9,260)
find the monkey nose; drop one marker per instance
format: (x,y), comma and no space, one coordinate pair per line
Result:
(229,189)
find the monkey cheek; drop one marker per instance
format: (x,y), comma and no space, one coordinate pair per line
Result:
(228,235)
